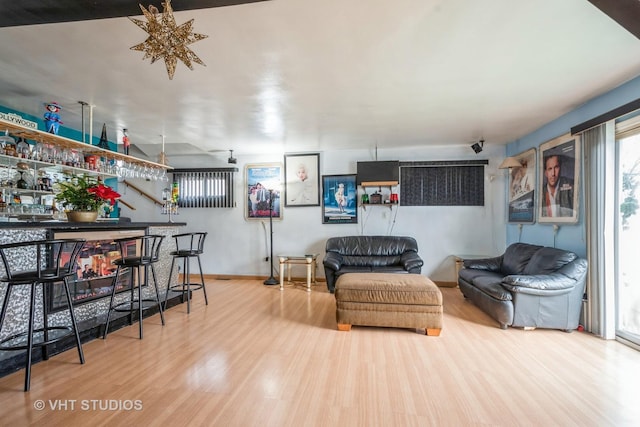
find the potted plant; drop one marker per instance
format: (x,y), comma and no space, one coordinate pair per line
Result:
(82,197)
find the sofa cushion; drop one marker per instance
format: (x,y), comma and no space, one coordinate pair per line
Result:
(470,274)
(354,269)
(548,260)
(389,269)
(491,285)
(371,245)
(516,258)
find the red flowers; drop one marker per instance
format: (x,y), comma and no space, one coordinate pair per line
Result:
(105,193)
(84,193)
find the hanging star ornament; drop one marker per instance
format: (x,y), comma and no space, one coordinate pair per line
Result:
(166,39)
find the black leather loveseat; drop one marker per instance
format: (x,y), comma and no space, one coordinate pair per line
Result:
(528,286)
(378,254)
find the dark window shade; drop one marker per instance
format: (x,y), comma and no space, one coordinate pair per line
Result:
(609,115)
(442,183)
(205,188)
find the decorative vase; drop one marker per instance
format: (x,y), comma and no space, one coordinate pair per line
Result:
(82,216)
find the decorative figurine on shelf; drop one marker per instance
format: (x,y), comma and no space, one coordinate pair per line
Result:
(104,142)
(52,118)
(125,141)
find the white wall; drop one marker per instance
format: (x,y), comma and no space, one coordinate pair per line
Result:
(236,246)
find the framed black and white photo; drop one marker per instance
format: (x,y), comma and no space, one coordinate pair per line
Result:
(522,184)
(302,179)
(263,182)
(558,180)
(339,199)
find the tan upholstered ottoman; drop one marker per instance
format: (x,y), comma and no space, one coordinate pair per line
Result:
(388,299)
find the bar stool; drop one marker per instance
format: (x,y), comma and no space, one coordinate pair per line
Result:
(29,264)
(188,245)
(139,254)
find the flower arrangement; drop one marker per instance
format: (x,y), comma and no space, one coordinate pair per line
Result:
(83,193)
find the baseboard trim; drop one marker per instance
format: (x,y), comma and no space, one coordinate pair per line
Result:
(446,284)
(196,278)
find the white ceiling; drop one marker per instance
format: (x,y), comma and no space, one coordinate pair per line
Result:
(317,75)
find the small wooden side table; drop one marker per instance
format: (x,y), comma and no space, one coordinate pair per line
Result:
(309,260)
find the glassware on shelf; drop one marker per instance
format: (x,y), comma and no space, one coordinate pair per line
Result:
(23,149)
(22,183)
(4,140)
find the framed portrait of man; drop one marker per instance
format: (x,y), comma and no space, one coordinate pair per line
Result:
(559,176)
(302,179)
(263,187)
(522,185)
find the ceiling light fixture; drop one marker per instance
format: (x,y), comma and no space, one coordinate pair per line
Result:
(166,39)
(510,162)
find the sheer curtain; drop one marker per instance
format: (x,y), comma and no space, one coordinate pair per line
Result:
(600,201)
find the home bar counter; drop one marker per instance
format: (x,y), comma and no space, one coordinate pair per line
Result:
(91,301)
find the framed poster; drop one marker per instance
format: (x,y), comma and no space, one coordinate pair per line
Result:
(339,199)
(558,180)
(522,183)
(302,179)
(263,191)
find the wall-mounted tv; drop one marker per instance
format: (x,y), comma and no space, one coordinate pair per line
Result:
(378,171)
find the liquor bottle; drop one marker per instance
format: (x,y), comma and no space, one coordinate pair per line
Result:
(175,192)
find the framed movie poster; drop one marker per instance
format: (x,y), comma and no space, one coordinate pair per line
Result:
(339,199)
(558,180)
(302,179)
(522,184)
(263,183)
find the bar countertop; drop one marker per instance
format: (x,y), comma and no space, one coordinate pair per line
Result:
(101,224)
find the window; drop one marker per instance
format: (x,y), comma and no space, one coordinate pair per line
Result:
(442,183)
(628,230)
(205,188)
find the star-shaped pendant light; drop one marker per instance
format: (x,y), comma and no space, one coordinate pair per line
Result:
(166,39)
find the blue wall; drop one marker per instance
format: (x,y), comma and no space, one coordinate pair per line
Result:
(571,237)
(66,132)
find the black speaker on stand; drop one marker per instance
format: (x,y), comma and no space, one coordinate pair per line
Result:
(271,280)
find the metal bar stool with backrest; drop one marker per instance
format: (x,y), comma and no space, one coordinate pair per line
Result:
(138,254)
(188,246)
(34,264)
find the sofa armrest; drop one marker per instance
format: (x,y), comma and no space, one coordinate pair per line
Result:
(411,260)
(539,284)
(489,264)
(333,260)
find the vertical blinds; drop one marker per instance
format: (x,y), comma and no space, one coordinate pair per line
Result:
(442,183)
(205,188)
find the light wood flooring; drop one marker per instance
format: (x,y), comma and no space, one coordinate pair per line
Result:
(256,356)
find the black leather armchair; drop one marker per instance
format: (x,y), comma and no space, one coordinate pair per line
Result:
(527,286)
(377,254)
